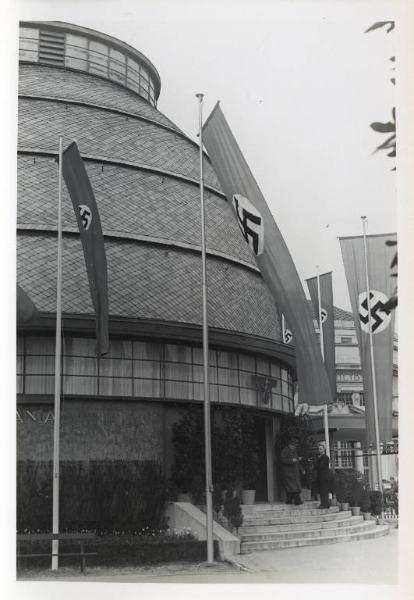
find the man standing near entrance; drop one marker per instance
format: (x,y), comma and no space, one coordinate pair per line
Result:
(291,472)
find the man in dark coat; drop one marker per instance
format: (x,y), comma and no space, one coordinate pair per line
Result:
(291,473)
(323,476)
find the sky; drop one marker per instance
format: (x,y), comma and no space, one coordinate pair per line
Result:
(299,83)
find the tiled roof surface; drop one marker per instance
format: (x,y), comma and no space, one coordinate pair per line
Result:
(108,136)
(342,315)
(146,281)
(132,202)
(37,80)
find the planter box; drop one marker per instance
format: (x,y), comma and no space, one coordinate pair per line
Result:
(248,496)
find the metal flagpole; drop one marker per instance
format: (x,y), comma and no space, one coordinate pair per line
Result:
(283,328)
(325,406)
(58,352)
(371,349)
(207,421)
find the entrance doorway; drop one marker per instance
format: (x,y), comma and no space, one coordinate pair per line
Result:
(261,481)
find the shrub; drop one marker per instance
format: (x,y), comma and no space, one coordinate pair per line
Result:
(365,501)
(377,504)
(392,496)
(188,472)
(121,550)
(235,458)
(232,509)
(348,486)
(99,495)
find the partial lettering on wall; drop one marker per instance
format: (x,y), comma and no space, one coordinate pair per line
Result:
(34,416)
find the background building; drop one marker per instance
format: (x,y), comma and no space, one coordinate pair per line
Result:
(84,85)
(347,415)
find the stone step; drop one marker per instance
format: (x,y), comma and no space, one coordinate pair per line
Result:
(288,512)
(373,532)
(308,533)
(313,517)
(340,522)
(264,507)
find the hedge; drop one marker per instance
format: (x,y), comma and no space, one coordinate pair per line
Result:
(123,551)
(94,495)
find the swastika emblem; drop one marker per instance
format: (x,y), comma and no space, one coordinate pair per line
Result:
(250,222)
(324,315)
(86,216)
(380,315)
(287,336)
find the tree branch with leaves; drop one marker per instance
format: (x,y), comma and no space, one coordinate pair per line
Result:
(390,126)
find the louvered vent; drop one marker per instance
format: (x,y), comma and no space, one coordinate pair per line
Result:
(52,48)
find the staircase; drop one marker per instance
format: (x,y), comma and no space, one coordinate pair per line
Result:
(277,526)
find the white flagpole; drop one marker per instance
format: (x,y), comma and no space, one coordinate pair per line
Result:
(325,407)
(371,349)
(58,352)
(283,328)
(207,421)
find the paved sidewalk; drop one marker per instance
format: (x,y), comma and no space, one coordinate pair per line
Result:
(365,561)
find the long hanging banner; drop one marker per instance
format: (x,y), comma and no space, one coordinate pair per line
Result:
(26,308)
(327,319)
(379,258)
(89,223)
(271,253)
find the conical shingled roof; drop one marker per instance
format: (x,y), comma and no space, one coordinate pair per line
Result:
(144,172)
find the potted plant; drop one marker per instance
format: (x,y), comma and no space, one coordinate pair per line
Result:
(250,469)
(346,485)
(341,486)
(355,492)
(232,510)
(377,504)
(365,504)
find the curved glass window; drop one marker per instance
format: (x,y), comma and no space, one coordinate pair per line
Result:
(83,54)
(153,371)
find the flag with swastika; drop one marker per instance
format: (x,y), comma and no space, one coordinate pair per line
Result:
(372,315)
(87,217)
(327,318)
(269,249)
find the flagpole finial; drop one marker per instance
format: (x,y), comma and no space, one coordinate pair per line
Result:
(363,218)
(200,96)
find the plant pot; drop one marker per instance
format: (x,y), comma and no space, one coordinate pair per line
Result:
(334,502)
(344,505)
(367,516)
(356,511)
(248,496)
